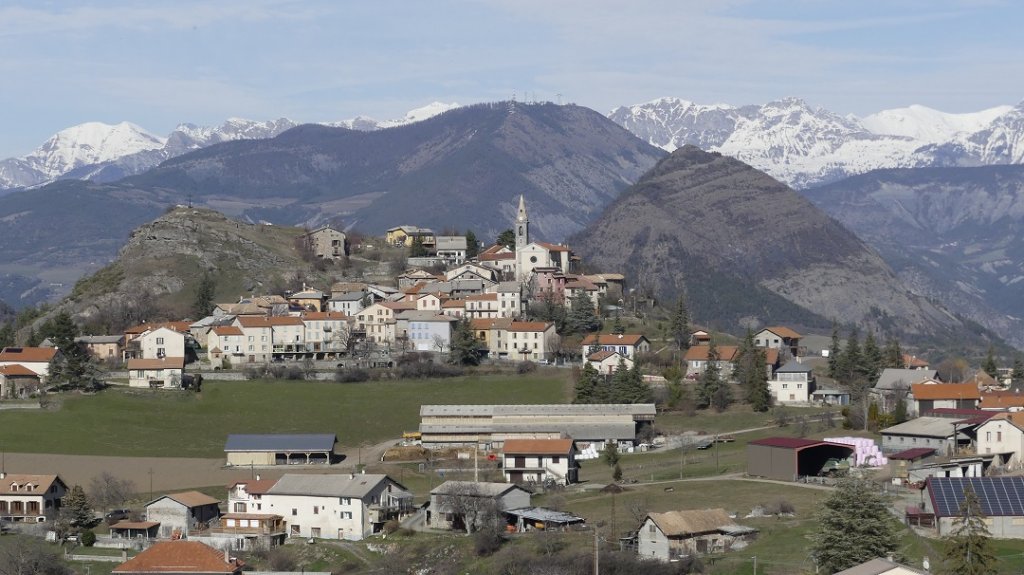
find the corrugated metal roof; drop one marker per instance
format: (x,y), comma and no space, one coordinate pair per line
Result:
(545,515)
(940,427)
(283,442)
(892,378)
(480,488)
(912,454)
(540,409)
(333,485)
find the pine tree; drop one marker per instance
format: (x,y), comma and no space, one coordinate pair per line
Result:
(472,244)
(967,550)
(899,412)
(464,346)
(854,526)
(417,249)
(893,356)
(679,328)
(1017,375)
(586,385)
(990,366)
(833,353)
(760,397)
(710,380)
(77,507)
(71,367)
(581,317)
(6,335)
(507,238)
(872,358)
(202,305)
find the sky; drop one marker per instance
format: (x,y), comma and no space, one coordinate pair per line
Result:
(159,63)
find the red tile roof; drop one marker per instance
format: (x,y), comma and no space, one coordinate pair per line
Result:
(16,370)
(601,355)
(227,330)
(940,391)
(529,326)
(255,486)
(41,483)
(613,339)
(482,297)
(997,400)
(284,320)
(178,326)
(553,247)
(28,354)
(180,557)
(253,321)
(700,353)
(912,361)
(192,498)
(538,446)
(323,315)
(784,332)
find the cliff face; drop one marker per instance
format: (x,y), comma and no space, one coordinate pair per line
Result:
(749,251)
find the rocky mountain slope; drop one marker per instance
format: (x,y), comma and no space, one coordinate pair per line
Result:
(805,146)
(105,153)
(155,274)
(464,168)
(956,234)
(749,251)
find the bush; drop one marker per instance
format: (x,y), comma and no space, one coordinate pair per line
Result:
(391,526)
(351,375)
(420,365)
(252,372)
(281,560)
(88,538)
(294,372)
(487,541)
(525,367)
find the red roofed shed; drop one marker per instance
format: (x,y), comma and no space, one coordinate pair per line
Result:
(789,458)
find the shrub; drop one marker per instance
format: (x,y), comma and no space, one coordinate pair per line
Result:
(252,372)
(487,541)
(391,527)
(294,372)
(88,538)
(351,375)
(281,560)
(525,367)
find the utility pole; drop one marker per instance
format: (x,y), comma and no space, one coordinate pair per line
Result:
(150,483)
(597,554)
(476,463)
(717,468)
(755,564)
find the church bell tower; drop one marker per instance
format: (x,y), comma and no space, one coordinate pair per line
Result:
(522,226)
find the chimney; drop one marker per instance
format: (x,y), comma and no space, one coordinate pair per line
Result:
(227,556)
(351,475)
(257,477)
(363,471)
(124,554)
(620,336)
(3,474)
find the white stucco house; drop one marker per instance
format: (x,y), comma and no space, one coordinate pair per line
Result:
(540,460)
(793,383)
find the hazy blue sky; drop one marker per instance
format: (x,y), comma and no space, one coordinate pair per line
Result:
(158,63)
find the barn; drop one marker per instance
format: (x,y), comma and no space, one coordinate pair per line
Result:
(789,458)
(298,449)
(1001,499)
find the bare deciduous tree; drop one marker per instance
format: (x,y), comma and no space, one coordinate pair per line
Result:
(108,491)
(27,556)
(467,504)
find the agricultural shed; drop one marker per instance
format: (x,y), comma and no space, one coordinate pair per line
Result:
(1001,500)
(789,458)
(280,449)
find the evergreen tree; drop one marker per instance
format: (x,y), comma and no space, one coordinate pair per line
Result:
(1017,375)
(202,305)
(587,382)
(872,358)
(71,367)
(760,397)
(637,390)
(899,412)
(464,347)
(679,328)
(710,380)
(472,244)
(507,238)
(854,526)
(722,398)
(7,335)
(833,352)
(417,249)
(581,317)
(967,550)
(893,356)
(850,363)
(990,366)
(77,507)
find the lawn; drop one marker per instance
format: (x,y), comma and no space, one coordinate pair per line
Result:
(124,422)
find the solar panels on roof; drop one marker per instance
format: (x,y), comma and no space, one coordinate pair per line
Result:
(292,442)
(999,496)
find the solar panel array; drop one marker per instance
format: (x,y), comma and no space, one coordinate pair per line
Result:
(999,496)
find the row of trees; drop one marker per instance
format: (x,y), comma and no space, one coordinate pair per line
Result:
(624,386)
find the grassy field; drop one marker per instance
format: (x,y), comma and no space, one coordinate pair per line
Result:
(147,423)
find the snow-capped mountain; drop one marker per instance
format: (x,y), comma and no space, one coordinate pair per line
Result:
(74,147)
(805,146)
(102,152)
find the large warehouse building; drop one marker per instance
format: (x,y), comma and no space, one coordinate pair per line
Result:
(308,449)
(1001,499)
(789,458)
(491,425)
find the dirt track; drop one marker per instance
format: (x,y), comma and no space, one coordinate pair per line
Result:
(169,473)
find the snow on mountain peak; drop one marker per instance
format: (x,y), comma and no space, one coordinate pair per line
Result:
(929,125)
(90,143)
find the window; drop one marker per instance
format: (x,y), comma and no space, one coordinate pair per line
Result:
(346,515)
(785,386)
(556,459)
(652,529)
(316,510)
(999,436)
(346,501)
(988,436)
(295,511)
(159,341)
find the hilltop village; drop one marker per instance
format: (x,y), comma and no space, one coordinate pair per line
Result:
(558,412)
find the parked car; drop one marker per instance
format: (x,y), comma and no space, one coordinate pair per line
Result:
(115,515)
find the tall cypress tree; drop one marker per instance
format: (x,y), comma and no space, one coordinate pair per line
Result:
(854,526)
(872,358)
(710,380)
(760,397)
(893,356)
(967,550)
(472,244)
(679,328)
(990,366)
(833,352)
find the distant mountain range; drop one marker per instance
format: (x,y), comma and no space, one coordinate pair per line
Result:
(954,234)
(806,147)
(748,251)
(461,169)
(106,153)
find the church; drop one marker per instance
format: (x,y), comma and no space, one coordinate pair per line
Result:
(531,256)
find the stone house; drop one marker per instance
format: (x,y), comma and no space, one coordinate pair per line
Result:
(181,558)
(1003,436)
(36,359)
(102,347)
(327,243)
(17,381)
(257,338)
(378,323)
(675,534)
(225,342)
(530,341)
(181,513)
(454,504)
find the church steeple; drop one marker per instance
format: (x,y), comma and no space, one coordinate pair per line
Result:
(522,225)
